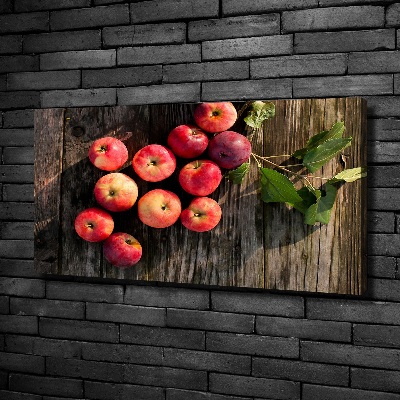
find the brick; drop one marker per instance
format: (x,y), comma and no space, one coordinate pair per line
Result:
(334,353)
(78,59)
(383,199)
(396,84)
(11,395)
(11,44)
(382,267)
(383,152)
(48,308)
(320,64)
(18,155)
(208,361)
(19,324)
(301,371)
(382,244)
(252,344)
(11,100)
(257,387)
(16,63)
(28,5)
(353,310)
(247,47)
(6,6)
(17,268)
(122,353)
(383,289)
(354,85)
(167,337)
(22,287)
(125,313)
(24,22)
(89,17)
(106,391)
(376,62)
(3,379)
(154,10)
(206,71)
(156,94)
(62,41)
(166,376)
(84,292)
(304,328)
(393,15)
(381,222)
(236,7)
(179,394)
(312,392)
(383,106)
(18,119)
(17,211)
(167,297)
(16,230)
(15,193)
(44,80)
(384,176)
(170,54)
(234,27)
(375,379)
(377,335)
(121,77)
(78,330)
(246,89)
(135,35)
(258,303)
(344,41)
(78,98)
(333,18)
(46,385)
(16,137)
(384,129)
(327,3)
(22,363)
(4,305)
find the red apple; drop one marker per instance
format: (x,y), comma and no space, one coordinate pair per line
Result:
(154,162)
(202,214)
(229,149)
(187,141)
(159,208)
(94,224)
(215,117)
(200,177)
(116,191)
(122,250)
(108,153)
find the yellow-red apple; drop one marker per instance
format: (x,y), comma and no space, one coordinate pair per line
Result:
(200,177)
(108,153)
(122,250)
(159,208)
(116,192)
(187,141)
(229,149)
(215,117)
(94,224)
(202,214)
(154,162)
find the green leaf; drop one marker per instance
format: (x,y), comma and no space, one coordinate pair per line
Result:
(321,210)
(336,132)
(308,199)
(237,175)
(276,187)
(349,175)
(259,112)
(317,157)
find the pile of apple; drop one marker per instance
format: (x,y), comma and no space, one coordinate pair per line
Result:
(207,145)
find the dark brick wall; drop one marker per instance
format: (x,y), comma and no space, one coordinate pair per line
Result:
(70,339)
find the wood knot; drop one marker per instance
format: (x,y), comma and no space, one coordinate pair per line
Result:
(78,131)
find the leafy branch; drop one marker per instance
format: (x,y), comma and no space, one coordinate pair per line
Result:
(315,203)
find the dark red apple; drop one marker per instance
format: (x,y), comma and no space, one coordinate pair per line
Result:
(202,214)
(187,141)
(94,224)
(122,250)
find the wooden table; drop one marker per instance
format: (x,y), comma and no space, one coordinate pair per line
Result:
(256,245)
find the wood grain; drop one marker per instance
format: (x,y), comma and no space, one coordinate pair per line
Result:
(255,245)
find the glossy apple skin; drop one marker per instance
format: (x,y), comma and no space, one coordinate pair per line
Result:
(154,162)
(187,141)
(215,117)
(200,177)
(116,192)
(202,214)
(229,149)
(159,208)
(122,250)
(108,153)
(94,224)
